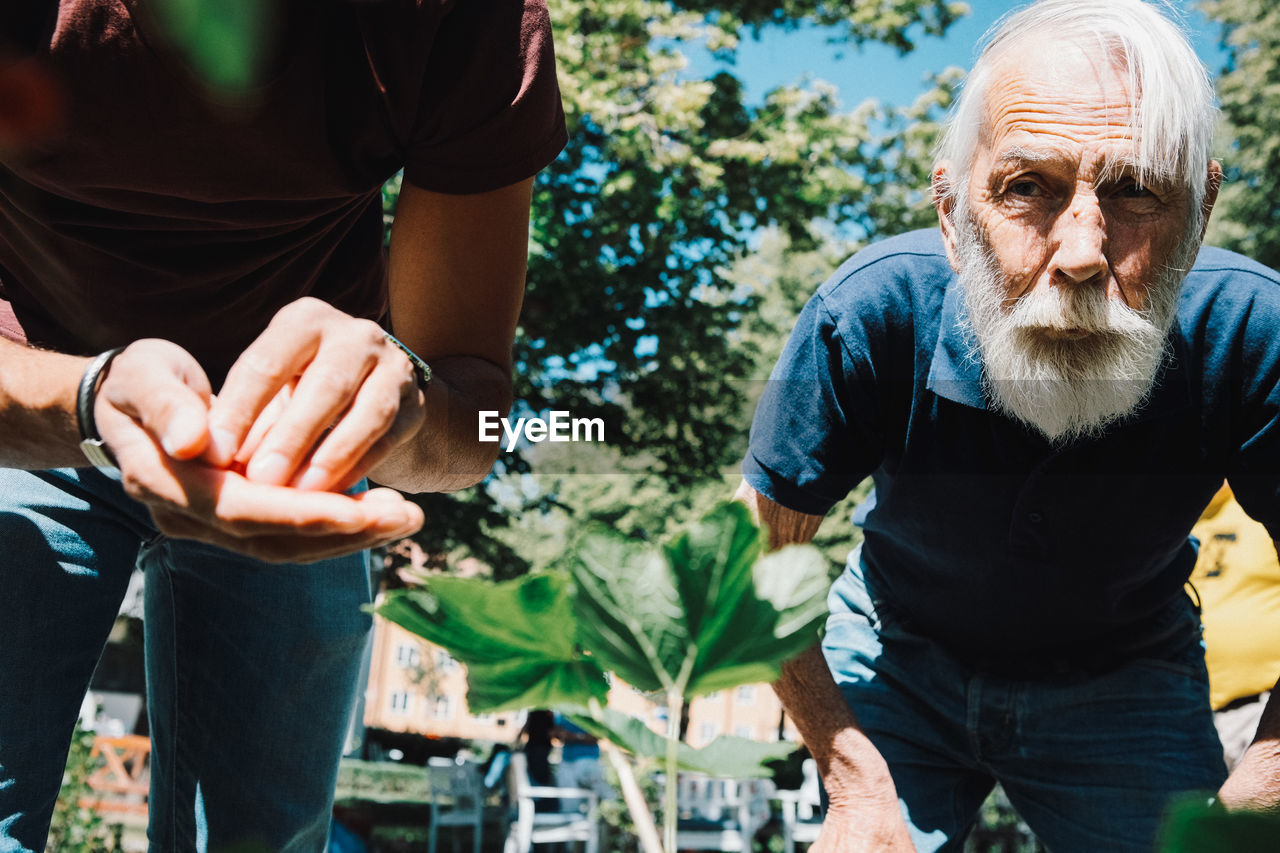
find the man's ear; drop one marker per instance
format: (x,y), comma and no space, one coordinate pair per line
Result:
(1212,183)
(944,201)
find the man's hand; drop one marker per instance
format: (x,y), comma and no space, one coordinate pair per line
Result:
(870,828)
(315,402)
(152,410)
(1255,783)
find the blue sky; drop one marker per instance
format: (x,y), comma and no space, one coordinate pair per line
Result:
(876,71)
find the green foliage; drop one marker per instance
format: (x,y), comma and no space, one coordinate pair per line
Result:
(224,42)
(75,828)
(704,613)
(724,756)
(517,639)
(638,309)
(1193,826)
(1247,217)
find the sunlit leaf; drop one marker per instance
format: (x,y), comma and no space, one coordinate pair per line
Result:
(704,613)
(516,638)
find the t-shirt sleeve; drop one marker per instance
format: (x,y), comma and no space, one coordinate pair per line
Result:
(1255,476)
(814,435)
(490,114)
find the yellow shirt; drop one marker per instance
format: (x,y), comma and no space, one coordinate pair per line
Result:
(1238,579)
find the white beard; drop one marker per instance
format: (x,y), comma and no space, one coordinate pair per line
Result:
(1065,388)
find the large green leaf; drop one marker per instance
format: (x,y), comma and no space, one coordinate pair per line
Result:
(224,42)
(725,756)
(1192,826)
(516,638)
(702,614)
(628,609)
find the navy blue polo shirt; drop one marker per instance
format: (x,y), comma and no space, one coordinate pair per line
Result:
(984,535)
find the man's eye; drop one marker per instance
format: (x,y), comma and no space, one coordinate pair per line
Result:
(1025,188)
(1133,189)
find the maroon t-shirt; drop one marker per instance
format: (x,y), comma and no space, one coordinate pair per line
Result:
(161,210)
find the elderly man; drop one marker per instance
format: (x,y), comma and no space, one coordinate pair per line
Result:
(1046,398)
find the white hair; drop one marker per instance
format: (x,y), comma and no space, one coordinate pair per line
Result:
(1172,124)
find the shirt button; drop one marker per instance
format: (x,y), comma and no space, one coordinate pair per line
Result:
(1035,517)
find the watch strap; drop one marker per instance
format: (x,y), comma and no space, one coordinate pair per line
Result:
(91,443)
(421,370)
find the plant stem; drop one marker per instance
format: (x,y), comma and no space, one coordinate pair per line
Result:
(637,805)
(641,816)
(675,704)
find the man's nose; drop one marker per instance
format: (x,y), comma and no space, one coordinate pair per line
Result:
(1080,238)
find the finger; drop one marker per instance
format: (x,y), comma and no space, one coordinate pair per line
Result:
(269,363)
(265,420)
(226,501)
(280,548)
(244,508)
(161,387)
(387,409)
(325,393)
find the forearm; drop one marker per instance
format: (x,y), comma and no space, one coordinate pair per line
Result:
(853,771)
(37,408)
(1255,783)
(446,454)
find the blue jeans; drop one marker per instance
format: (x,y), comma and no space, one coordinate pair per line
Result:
(251,668)
(1089,759)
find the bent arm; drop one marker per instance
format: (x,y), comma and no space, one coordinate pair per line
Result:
(457,275)
(854,773)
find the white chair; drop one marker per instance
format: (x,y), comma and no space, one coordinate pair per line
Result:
(529,826)
(457,800)
(721,814)
(802,810)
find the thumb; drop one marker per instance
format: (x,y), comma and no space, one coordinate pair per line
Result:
(163,388)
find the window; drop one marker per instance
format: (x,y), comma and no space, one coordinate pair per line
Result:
(713,696)
(400,701)
(746,694)
(445,663)
(443,708)
(407,656)
(743,731)
(707,731)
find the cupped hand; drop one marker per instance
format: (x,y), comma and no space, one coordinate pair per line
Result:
(316,401)
(152,411)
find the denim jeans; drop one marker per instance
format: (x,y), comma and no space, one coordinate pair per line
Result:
(1090,759)
(251,668)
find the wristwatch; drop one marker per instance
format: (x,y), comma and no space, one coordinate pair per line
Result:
(91,443)
(421,370)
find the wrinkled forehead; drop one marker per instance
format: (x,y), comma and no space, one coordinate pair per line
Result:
(1060,96)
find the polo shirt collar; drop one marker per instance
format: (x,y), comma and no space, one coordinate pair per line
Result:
(956,371)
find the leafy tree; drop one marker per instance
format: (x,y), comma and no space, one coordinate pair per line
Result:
(1247,217)
(637,309)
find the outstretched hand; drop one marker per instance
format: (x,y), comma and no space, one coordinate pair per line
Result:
(154,410)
